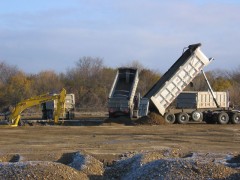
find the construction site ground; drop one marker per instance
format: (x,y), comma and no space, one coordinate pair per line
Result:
(99,149)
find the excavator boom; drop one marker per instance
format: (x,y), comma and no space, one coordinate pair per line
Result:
(16,113)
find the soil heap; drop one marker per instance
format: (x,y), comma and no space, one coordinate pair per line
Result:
(151,119)
(167,165)
(161,164)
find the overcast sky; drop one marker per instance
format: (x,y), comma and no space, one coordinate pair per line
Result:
(54,34)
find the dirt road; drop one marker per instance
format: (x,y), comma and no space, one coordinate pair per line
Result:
(88,152)
(37,141)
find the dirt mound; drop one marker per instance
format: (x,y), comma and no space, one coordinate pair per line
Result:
(39,170)
(151,119)
(161,164)
(153,165)
(76,165)
(87,164)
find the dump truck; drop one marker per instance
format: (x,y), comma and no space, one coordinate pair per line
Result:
(177,78)
(49,108)
(173,82)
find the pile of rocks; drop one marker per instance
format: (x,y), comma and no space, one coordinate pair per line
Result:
(39,170)
(70,166)
(161,164)
(151,119)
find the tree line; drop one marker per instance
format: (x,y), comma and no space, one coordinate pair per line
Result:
(90,80)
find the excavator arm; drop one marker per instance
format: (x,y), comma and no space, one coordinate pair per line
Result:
(20,107)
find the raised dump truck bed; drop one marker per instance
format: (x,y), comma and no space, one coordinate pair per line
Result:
(180,74)
(122,92)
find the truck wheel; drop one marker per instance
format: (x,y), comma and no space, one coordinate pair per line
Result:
(222,118)
(182,118)
(235,118)
(197,116)
(169,118)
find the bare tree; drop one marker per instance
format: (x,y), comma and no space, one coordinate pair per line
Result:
(85,77)
(7,71)
(135,64)
(46,81)
(147,78)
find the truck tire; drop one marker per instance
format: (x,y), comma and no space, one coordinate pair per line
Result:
(170,118)
(235,118)
(197,116)
(182,118)
(222,118)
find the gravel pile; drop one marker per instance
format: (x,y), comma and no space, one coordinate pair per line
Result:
(87,164)
(153,165)
(151,119)
(162,164)
(38,170)
(70,166)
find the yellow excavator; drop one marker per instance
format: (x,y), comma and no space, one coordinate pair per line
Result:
(15,116)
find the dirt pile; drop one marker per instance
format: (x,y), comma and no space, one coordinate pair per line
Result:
(161,164)
(158,165)
(151,119)
(87,164)
(70,166)
(39,170)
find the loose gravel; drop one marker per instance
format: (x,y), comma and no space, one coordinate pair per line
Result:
(161,164)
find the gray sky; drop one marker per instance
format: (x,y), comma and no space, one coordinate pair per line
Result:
(53,35)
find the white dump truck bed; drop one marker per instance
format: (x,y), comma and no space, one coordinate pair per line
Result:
(173,82)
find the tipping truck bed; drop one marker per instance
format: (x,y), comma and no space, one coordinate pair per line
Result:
(122,93)
(181,73)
